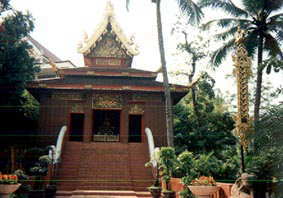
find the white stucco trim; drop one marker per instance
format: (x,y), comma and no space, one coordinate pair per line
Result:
(109,17)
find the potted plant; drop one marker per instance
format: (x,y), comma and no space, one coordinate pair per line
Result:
(155,189)
(186,169)
(24,189)
(8,185)
(168,162)
(203,187)
(40,170)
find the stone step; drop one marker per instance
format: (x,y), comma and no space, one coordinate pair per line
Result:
(102,194)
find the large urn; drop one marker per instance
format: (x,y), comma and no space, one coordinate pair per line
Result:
(7,189)
(203,191)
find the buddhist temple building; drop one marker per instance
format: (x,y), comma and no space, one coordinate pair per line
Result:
(106,106)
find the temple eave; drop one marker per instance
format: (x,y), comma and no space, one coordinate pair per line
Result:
(106,87)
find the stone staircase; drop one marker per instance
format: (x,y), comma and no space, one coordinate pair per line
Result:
(97,168)
(101,194)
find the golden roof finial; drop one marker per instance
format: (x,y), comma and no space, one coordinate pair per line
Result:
(109,8)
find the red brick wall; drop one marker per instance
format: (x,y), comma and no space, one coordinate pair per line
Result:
(54,113)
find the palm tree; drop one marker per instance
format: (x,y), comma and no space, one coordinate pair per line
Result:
(194,14)
(264,24)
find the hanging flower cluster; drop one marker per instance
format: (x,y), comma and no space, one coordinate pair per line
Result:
(8,179)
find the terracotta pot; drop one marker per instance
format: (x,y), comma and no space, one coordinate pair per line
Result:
(175,185)
(203,191)
(155,192)
(7,189)
(225,189)
(169,194)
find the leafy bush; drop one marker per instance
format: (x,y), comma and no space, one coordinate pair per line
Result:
(41,167)
(167,163)
(265,157)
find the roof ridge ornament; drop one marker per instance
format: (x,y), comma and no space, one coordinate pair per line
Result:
(101,29)
(109,10)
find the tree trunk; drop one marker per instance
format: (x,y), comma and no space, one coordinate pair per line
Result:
(194,99)
(168,103)
(259,79)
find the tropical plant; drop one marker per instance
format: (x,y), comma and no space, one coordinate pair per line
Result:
(266,159)
(25,188)
(211,130)
(191,166)
(263,21)
(155,164)
(193,49)
(167,163)
(17,67)
(194,14)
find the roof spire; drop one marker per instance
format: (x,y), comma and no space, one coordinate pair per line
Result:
(109,10)
(109,18)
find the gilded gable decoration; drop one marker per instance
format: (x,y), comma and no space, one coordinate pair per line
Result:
(136,109)
(77,108)
(107,101)
(108,46)
(103,31)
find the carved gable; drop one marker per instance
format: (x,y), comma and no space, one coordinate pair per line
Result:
(109,46)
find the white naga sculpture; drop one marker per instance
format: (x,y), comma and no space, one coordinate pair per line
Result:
(55,152)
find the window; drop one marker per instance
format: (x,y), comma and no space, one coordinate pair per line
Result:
(106,125)
(135,128)
(77,127)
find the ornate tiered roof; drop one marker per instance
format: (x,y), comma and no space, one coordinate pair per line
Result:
(108,56)
(109,22)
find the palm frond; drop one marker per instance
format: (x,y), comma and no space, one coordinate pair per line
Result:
(273,5)
(275,25)
(276,17)
(226,34)
(251,42)
(219,55)
(267,6)
(279,35)
(226,5)
(253,6)
(192,10)
(272,46)
(225,22)
(232,31)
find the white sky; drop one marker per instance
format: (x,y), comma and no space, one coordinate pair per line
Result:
(60,24)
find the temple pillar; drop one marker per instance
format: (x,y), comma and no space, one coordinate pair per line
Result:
(87,137)
(124,126)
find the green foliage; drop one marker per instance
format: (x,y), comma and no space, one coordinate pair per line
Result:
(257,17)
(4,5)
(17,67)
(266,158)
(30,106)
(211,130)
(206,143)
(167,162)
(24,188)
(191,166)
(31,158)
(41,166)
